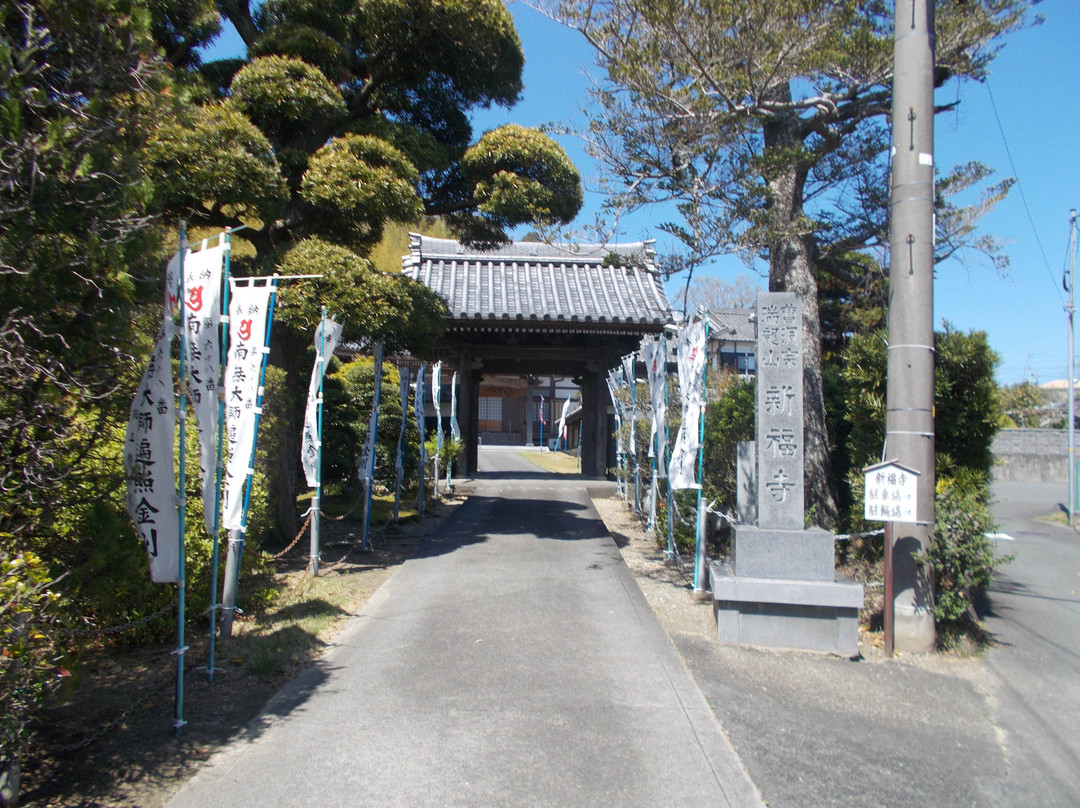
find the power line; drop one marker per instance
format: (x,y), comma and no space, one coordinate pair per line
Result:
(1020,187)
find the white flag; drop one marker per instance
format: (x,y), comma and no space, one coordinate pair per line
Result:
(202,324)
(436,399)
(418,406)
(327,336)
(366,466)
(249,307)
(616,404)
(655,361)
(172,291)
(684,457)
(148,462)
(148,447)
(455,427)
(628,371)
(562,419)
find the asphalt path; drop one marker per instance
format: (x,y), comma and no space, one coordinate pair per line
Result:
(1001,731)
(1033,672)
(513,661)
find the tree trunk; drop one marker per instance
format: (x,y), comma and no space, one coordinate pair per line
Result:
(790,270)
(284,463)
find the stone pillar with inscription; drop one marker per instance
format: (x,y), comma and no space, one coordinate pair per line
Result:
(783,589)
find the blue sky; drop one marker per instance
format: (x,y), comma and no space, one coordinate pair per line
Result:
(1038,102)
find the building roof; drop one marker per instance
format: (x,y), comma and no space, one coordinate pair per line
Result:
(732,325)
(541,282)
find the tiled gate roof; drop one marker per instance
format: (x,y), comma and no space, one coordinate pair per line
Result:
(539,282)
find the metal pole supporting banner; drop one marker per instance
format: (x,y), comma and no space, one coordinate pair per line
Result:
(700,560)
(436,400)
(218,468)
(399,461)
(672,551)
(373,428)
(418,408)
(181,586)
(633,436)
(455,432)
(314,549)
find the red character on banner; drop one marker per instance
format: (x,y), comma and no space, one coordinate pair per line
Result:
(194,298)
(245,329)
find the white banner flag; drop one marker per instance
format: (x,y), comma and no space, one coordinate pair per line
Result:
(249,307)
(366,466)
(202,324)
(653,353)
(455,427)
(327,336)
(418,407)
(436,399)
(628,371)
(148,462)
(172,291)
(616,404)
(562,420)
(684,457)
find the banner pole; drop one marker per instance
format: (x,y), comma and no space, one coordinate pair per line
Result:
(418,408)
(453,437)
(375,402)
(633,426)
(399,466)
(181,648)
(653,483)
(671,553)
(316,501)
(436,400)
(700,577)
(215,553)
(541,424)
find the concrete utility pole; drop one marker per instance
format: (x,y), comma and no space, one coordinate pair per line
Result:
(909,425)
(1070,311)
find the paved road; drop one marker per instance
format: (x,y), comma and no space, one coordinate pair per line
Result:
(513,662)
(1034,672)
(1002,731)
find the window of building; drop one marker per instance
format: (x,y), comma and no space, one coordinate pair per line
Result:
(741,362)
(490,409)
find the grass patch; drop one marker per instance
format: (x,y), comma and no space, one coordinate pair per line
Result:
(557,462)
(292,628)
(1059,517)
(965,638)
(336,506)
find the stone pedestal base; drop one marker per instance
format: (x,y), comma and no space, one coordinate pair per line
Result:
(787,613)
(805,555)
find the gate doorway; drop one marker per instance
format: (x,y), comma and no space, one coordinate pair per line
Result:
(530,312)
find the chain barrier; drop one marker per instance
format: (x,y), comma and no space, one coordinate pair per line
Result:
(142,621)
(345,515)
(100,632)
(83,633)
(292,544)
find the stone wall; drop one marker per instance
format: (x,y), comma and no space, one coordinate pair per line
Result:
(1031,455)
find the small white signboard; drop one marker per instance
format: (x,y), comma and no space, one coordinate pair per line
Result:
(891,493)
